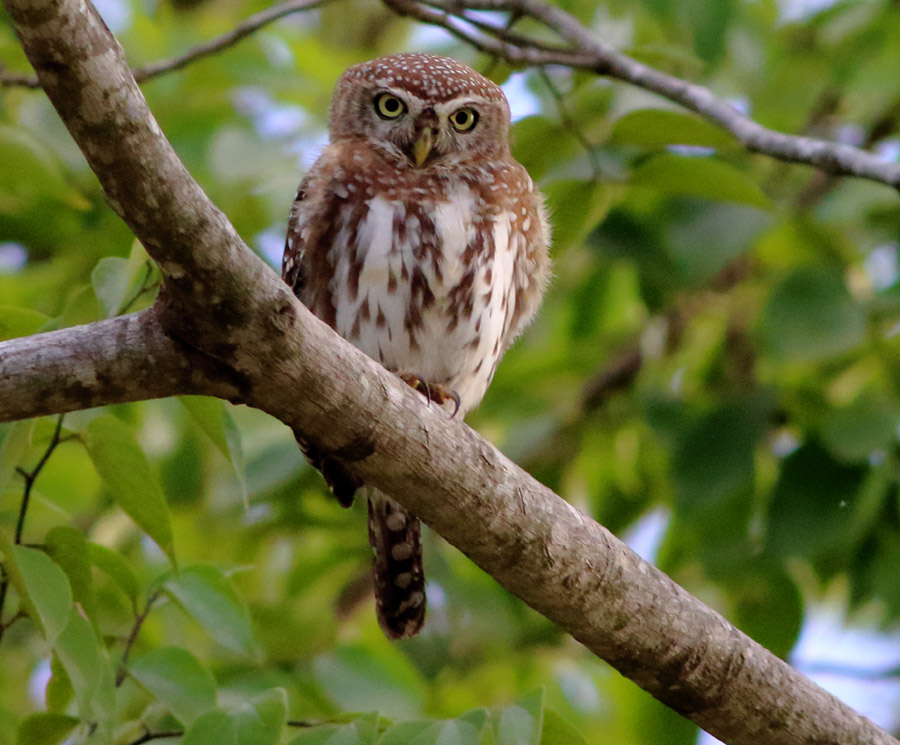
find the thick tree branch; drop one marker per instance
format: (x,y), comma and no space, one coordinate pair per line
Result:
(582,50)
(123,359)
(224,306)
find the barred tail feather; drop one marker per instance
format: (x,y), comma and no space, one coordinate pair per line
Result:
(399,581)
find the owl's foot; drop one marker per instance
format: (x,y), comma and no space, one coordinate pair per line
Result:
(434,392)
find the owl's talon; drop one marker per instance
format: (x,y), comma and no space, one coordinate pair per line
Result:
(433,392)
(454,396)
(417,383)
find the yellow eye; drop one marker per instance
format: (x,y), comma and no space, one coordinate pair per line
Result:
(463,119)
(388,106)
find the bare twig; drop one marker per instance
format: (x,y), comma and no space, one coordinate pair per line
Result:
(242,31)
(30,477)
(569,123)
(149,736)
(139,619)
(154,69)
(584,51)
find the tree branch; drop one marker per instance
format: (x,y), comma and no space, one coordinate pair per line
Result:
(124,359)
(154,69)
(222,303)
(586,52)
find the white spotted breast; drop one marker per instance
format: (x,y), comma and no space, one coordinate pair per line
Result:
(426,287)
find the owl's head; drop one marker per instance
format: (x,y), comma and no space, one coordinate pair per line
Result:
(422,108)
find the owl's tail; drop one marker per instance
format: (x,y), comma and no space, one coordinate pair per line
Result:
(399,580)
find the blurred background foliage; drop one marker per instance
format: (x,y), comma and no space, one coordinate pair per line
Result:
(715,376)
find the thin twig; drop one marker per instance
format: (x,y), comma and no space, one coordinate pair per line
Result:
(30,477)
(206,49)
(586,52)
(569,123)
(146,286)
(132,637)
(241,31)
(148,736)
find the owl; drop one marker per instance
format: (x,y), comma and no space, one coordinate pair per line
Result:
(419,239)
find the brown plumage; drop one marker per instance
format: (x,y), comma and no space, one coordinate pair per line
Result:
(418,238)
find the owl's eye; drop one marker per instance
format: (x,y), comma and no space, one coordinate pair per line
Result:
(388,106)
(463,119)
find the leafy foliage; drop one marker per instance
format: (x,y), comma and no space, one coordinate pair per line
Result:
(719,346)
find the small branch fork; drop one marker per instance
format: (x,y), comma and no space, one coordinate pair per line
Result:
(576,47)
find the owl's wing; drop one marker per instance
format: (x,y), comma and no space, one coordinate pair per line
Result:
(306,268)
(307,265)
(531,270)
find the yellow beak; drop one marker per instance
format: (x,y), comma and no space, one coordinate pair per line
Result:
(423,145)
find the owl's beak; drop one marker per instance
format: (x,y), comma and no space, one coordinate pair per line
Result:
(422,147)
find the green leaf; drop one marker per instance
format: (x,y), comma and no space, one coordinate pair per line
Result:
(767,606)
(22,154)
(811,317)
(659,127)
(714,457)
(710,21)
(530,139)
(257,722)
(557,731)
(577,207)
(812,504)
(699,246)
(522,723)
(45,728)
(703,177)
(16,442)
(126,474)
(363,678)
(116,281)
(445,732)
(16,322)
(361,731)
(59,691)
(88,668)
(209,597)
(216,421)
(44,585)
(68,548)
(866,426)
(116,567)
(175,677)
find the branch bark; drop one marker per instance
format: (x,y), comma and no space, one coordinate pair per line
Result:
(226,325)
(128,358)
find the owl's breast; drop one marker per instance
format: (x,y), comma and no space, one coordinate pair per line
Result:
(425,286)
